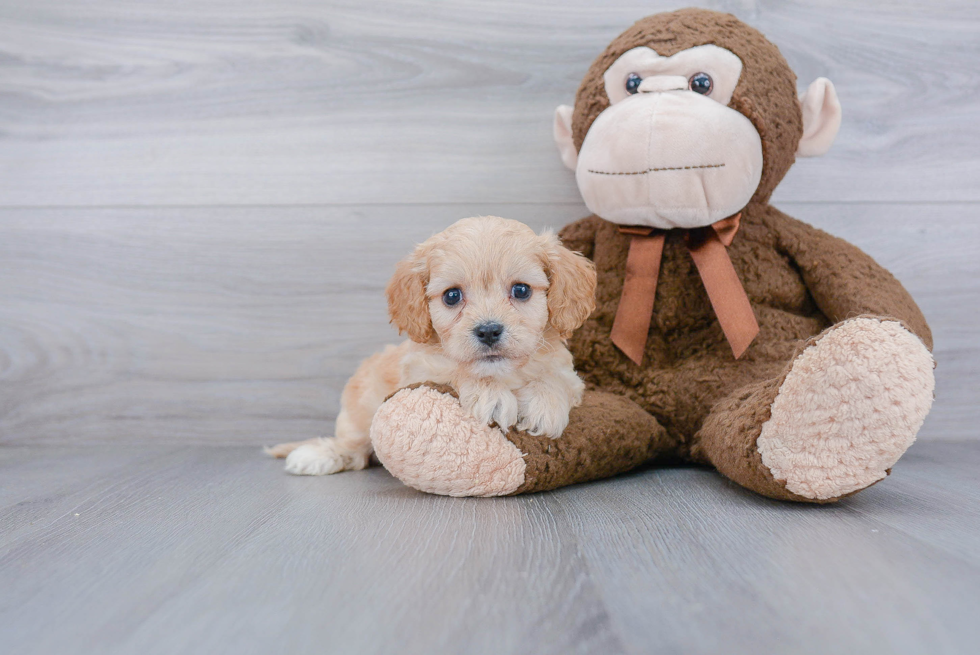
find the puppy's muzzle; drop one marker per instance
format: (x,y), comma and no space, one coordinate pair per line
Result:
(488,333)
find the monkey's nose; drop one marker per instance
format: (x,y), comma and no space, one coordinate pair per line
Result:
(488,333)
(656,83)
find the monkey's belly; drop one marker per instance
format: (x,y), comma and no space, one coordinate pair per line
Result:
(685,372)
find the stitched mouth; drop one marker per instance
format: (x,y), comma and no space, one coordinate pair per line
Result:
(656,170)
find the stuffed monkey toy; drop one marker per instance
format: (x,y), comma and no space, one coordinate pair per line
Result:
(726,333)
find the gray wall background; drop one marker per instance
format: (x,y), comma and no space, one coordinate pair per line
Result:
(200,203)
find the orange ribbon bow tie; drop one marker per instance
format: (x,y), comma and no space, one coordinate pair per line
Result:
(707,246)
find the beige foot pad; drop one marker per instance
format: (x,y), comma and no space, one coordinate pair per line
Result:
(425,439)
(849,408)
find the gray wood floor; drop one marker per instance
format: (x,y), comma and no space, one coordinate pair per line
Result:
(199,207)
(176,549)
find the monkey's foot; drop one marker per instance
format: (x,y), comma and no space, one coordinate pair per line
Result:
(848,409)
(424,437)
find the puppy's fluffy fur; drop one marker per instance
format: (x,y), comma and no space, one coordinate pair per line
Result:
(524,378)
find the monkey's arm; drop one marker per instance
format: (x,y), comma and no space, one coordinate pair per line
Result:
(844,281)
(580,235)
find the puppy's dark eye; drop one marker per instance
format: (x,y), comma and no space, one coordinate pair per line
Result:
(633,82)
(452,296)
(520,291)
(701,83)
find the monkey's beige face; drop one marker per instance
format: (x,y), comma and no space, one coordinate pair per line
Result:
(668,152)
(487,294)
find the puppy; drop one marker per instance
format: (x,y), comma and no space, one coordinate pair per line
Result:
(487,305)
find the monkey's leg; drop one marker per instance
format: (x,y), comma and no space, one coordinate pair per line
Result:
(424,438)
(835,423)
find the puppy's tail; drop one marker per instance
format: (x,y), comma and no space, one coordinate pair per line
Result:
(279,451)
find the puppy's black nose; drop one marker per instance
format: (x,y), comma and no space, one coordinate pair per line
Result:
(488,333)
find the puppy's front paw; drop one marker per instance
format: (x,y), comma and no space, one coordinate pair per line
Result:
(491,406)
(505,413)
(548,423)
(323,457)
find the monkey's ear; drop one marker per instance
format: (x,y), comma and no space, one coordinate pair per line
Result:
(408,305)
(563,136)
(821,118)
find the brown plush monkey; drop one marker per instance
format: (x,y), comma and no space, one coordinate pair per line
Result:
(726,332)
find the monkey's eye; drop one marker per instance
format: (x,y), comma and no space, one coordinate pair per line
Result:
(452,296)
(633,82)
(520,291)
(701,83)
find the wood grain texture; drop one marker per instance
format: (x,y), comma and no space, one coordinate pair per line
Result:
(200,204)
(159,549)
(241,325)
(239,320)
(281,102)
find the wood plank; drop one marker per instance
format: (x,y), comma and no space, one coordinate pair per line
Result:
(35,489)
(241,325)
(286,102)
(688,562)
(217,550)
(932,498)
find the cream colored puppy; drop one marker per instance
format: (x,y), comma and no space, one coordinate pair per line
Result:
(487,305)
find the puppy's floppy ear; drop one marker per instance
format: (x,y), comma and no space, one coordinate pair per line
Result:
(408,305)
(571,290)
